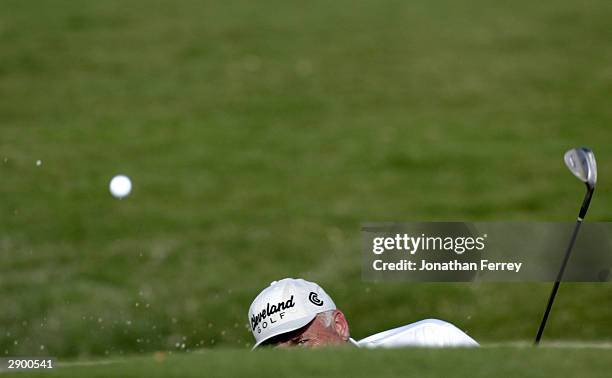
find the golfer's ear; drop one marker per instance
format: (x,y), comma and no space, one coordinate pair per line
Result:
(341,325)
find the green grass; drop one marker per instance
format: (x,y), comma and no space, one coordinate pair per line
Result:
(259,136)
(486,362)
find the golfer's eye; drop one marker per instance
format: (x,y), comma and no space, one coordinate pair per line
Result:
(302,341)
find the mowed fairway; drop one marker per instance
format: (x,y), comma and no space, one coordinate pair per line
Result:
(259,136)
(484,362)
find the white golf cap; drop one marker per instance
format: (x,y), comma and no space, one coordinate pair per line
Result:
(285,306)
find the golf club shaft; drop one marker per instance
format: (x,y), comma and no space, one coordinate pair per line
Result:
(551,299)
(585,203)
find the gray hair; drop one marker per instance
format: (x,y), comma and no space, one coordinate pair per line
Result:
(327,317)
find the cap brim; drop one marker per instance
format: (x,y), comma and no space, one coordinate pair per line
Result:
(287,327)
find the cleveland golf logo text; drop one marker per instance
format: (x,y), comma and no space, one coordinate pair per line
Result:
(267,315)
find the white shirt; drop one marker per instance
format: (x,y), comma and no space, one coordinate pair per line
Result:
(426,333)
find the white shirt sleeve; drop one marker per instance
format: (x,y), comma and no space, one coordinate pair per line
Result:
(425,333)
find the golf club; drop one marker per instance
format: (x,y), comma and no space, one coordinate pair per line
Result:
(581,162)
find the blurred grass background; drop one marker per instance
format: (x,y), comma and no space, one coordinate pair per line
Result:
(341,362)
(259,136)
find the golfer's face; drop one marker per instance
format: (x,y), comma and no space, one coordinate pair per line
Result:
(314,334)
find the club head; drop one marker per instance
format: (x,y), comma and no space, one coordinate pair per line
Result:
(581,161)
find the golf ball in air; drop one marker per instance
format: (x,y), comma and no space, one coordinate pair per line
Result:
(120,186)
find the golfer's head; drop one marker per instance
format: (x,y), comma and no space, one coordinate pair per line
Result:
(295,312)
